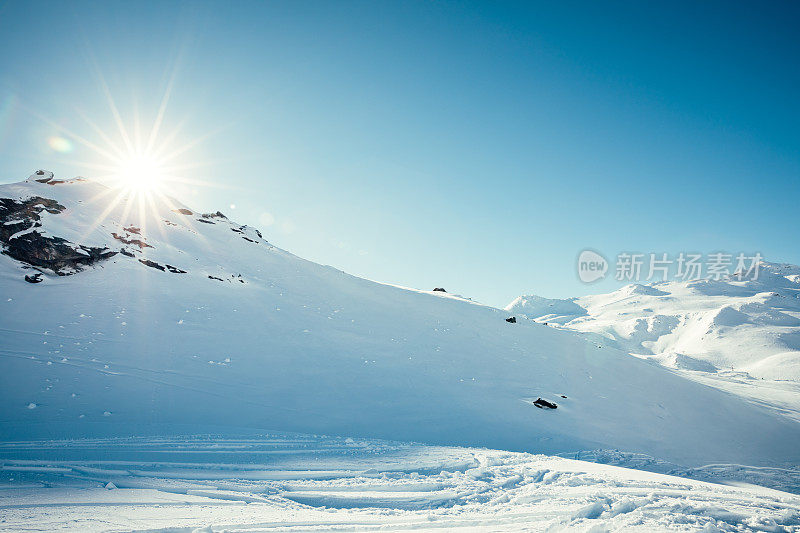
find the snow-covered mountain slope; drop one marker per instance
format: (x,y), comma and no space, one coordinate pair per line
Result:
(165,320)
(708,325)
(306,483)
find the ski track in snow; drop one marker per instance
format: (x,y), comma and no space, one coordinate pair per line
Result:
(291,482)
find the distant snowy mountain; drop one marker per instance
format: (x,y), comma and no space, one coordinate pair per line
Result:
(127,317)
(750,326)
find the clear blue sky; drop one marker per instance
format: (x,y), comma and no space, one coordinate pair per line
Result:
(475,146)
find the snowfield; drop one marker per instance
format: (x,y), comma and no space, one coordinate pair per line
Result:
(123,318)
(712,326)
(739,336)
(283,482)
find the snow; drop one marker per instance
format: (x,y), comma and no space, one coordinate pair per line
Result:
(342,356)
(294,482)
(233,336)
(751,326)
(22,232)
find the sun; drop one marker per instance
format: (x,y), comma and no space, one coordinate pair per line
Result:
(139,169)
(140,172)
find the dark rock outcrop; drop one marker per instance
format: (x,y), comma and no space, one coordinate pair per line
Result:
(34,278)
(152,264)
(439,289)
(28,209)
(162,268)
(512,319)
(21,240)
(138,242)
(544,404)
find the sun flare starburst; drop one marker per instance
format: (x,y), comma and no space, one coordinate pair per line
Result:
(143,168)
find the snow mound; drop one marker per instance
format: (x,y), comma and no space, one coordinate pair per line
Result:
(554,310)
(730,317)
(637,289)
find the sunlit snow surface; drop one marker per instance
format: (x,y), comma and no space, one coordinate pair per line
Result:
(725,326)
(239,334)
(290,482)
(200,325)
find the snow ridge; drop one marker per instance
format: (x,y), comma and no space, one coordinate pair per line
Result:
(750,326)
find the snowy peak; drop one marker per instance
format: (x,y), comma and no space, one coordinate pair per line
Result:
(62,227)
(750,325)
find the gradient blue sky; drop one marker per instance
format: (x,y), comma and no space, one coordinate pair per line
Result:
(478,146)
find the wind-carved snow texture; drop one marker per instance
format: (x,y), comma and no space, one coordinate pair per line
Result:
(295,482)
(198,324)
(749,327)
